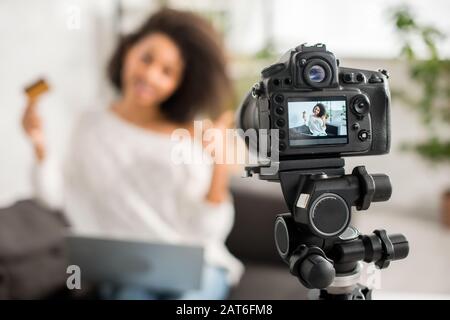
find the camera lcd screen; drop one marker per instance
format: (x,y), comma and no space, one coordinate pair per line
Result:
(317,121)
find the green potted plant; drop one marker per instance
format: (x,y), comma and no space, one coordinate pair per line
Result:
(432,75)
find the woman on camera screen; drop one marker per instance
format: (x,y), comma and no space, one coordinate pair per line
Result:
(317,120)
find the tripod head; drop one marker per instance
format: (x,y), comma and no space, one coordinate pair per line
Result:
(316,239)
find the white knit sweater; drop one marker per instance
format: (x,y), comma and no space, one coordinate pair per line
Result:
(119,180)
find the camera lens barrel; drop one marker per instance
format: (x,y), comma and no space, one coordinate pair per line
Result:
(246,116)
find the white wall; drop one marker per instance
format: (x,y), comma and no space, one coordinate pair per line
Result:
(351,28)
(35,41)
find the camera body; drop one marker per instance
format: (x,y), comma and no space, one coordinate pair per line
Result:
(319,108)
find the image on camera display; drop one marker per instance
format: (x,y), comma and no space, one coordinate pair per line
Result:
(317,122)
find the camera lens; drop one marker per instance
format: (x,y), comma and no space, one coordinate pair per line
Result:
(247,115)
(317,73)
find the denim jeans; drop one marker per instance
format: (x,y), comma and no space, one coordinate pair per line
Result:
(214,286)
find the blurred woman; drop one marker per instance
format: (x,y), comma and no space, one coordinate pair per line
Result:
(119,179)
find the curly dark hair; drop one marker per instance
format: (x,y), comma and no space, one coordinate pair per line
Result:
(205,86)
(322,109)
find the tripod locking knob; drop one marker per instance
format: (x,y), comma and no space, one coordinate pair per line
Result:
(312,268)
(317,271)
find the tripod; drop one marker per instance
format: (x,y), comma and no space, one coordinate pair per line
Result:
(316,239)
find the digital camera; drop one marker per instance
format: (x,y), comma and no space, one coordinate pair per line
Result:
(321,110)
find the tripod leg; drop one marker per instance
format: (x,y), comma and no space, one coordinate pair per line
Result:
(359,293)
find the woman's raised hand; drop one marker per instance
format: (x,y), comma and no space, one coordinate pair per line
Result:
(216,143)
(32,124)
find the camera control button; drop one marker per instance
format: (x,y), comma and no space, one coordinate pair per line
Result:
(348,77)
(282,134)
(279,110)
(279,98)
(355,126)
(282,146)
(385,73)
(360,105)
(375,79)
(363,135)
(360,77)
(280,122)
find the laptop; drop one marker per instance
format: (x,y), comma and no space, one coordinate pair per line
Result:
(159,266)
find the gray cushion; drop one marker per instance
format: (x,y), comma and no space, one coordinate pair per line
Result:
(256,204)
(33,257)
